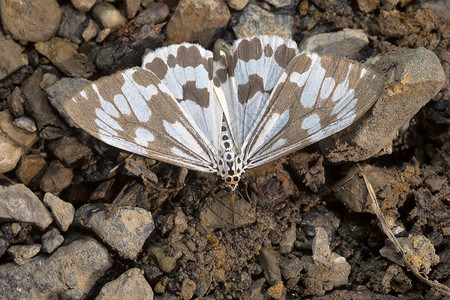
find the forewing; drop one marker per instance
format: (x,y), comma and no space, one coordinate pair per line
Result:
(317,96)
(187,71)
(254,67)
(130,111)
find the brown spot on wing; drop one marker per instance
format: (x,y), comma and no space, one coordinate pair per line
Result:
(221,77)
(268,51)
(249,49)
(283,55)
(247,91)
(157,66)
(193,93)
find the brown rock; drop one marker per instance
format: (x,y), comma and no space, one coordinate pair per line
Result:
(11,57)
(56,178)
(83,5)
(70,151)
(108,15)
(65,56)
(30,167)
(368,5)
(32,21)
(197,21)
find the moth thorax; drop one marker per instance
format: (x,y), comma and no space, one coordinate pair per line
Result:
(230,167)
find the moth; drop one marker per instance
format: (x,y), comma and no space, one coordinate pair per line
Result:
(261,101)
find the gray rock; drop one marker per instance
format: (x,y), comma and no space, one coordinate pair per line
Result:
(130,285)
(70,151)
(290,267)
(31,21)
(4,244)
(287,241)
(125,229)
(197,21)
(73,24)
(69,270)
(319,217)
(13,142)
(63,212)
(11,57)
(65,56)
(238,4)
(56,178)
(19,203)
(166,261)
(22,253)
(283,3)
(270,265)
(108,16)
(51,240)
(15,102)
(30,167)
(83,5)
(188,289)
(345,43)
(62,91)
(413,77)
(25,123)
(255,20)
(156,12)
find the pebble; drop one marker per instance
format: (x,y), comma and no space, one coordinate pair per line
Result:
(70,270)
(31,21)
(13,142)
(291,267)
(131,7)
(22,253)
(255,20)
(65,56)
(287,240)
(11,56)
(62,91)
(413,77)
(270,264)
(389,4)
(319,216)
(30,167)
(238,4)
(20,204)
(90,31)
(108,16)
(25,123)
(366,6)
(56,178)
(130,285)
(51,240)
(72,24)
(102,35)
(63,212)
(346,43)
(70,151)
(83,5)
(283,3)
(134,168)
(4,244)
(166,261)
(124,229)
(48,79)
(155,13)
(197,21)
(15,103)
(188,289)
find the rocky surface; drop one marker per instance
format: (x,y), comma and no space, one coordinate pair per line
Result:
(300,227)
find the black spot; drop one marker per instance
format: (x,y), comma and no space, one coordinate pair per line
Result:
(227,145)
(223,172)
(230,164)
(228,179)
(230,172)
(235,178)
(229,156)
(220,162)
(238,171)
(238,160)
(224,128)
(225,137)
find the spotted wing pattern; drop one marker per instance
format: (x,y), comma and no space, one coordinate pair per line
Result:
(316,96)
(132,110)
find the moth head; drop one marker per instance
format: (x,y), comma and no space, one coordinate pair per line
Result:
(231,182)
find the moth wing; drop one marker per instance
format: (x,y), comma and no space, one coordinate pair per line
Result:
(317,96)
(129,110)
(187,70)
(245,82)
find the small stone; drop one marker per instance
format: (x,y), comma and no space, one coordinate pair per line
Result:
(90,31)
(269,262)
(22,253)
(51,240)
(346,43)
(166,262)
(30,167)
(13,140)
(238,4)
(11,56)
(4,244)
(197,21)
(56,178)
(290,267)
(131,7)
(108,15)
(155,13)
(72,24)
(130,285)
(287,240)
(72,270)
(65,56)
(414,77)
(367,6)
(83,5)
(255,20)
(319,217)
(70,151)
(25,123)
(63,212)
(15,103)
(188,289)
(48,79)
(102,35)
(32,21)
(283,3)
(15,228)
(389,4)
(277,290)
(19,203)
(125,228)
